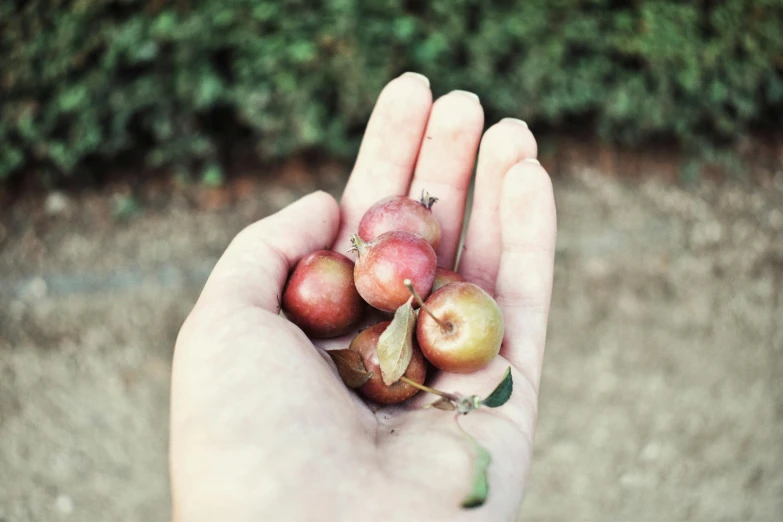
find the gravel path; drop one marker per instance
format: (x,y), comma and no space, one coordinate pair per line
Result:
(661,400)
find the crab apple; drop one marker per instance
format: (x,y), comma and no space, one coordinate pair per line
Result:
(401,213)
(460,328)
(320,296)
(444,276)
(366,344)
(386,262)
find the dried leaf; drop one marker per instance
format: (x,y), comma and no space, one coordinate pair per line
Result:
(442,403)
(350,367)
(480,488)
(501,393)
(395,345)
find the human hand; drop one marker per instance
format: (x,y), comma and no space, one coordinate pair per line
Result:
(262,427)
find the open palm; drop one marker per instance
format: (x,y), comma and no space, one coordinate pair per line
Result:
(262,427)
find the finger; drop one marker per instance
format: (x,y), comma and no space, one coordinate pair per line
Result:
(524,283)
(504,144)
(389,149)
(254,268)
(445,164)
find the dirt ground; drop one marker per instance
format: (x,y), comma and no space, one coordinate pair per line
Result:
(661,399)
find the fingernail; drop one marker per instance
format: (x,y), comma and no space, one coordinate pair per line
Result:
(534,161)
(469,94)
(418,76)
(515,120)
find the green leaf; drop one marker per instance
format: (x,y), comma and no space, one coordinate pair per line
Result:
(350,367)
(480,488)
(125,207)
(212,176)
(395,345)
(501,393)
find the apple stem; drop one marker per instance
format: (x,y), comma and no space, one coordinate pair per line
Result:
(426,200)
(357,245)
(446,326)
(427,389)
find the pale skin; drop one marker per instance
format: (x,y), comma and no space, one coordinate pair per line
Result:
(262,427)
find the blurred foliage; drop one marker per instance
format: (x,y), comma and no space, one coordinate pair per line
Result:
(179,79)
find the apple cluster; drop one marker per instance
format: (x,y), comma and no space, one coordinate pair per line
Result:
(438,317)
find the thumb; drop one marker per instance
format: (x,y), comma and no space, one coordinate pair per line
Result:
(254,267)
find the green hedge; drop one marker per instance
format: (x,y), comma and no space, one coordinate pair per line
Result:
(179,79)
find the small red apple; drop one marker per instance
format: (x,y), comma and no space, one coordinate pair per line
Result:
(366,344)
(444,276)
(320,296)
(401,213)
(460,328)
(386,262)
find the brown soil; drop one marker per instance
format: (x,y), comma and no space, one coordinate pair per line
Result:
(661,400)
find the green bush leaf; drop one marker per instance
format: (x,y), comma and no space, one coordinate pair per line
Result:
(289,75)
(212,176)
(125,207)
(501,393)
